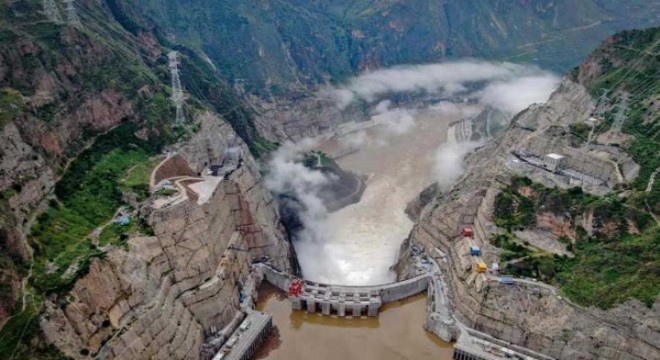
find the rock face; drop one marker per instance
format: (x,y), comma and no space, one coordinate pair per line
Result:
(49,76)
(299,117)
(163,295)
(531,314)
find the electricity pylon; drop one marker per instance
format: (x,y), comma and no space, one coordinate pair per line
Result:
(177,90)
(52,13)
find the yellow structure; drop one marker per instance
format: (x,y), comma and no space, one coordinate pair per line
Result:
(482,267)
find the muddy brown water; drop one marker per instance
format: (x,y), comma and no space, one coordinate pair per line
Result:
(363,239)
(396,334)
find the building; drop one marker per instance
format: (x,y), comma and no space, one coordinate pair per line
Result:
(553,162)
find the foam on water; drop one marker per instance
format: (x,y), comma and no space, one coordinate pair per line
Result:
(363,240)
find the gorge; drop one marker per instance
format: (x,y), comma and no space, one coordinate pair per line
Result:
(525,202)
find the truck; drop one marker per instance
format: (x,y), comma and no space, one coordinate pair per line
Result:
(482,267)
(506,279)
(475,251)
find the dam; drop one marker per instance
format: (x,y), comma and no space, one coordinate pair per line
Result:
(342,300)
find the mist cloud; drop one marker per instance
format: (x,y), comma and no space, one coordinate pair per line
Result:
(448,162)
(516,95)
(396,121)
(289,176)
(508,86)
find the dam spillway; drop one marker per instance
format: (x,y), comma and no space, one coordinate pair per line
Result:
(343,300)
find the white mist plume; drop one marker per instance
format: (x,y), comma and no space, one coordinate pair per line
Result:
(396,121)
(289,176)
(509,87)
(515,95)
(450,77)
(448,162)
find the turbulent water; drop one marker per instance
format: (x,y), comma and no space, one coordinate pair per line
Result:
(361,242)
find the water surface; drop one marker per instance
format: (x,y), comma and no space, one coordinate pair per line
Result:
(396,333)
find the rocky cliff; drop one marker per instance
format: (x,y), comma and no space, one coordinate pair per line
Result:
(574,317)
(84,113)
(165,293)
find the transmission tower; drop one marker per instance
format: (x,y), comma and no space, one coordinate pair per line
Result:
(177,90)
(602,102)
(71,13)
(620,116)
(52,13)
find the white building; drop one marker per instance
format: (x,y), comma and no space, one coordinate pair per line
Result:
(553,161)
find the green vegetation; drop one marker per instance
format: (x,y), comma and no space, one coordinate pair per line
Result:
(87,197)
(11,105)
(580,130)
(621,259)
(166,192)
(517,205)
(263,147)
(25,325)
(19,326)
(610,266)
(138,178)
(513,249)
(117,234)
(313,41)
(316,159)
(637,73)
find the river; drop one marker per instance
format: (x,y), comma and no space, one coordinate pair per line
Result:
(363,239)
(361,245)
(396,333)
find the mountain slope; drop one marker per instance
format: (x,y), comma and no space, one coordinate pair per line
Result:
(588,232)
(268,45)
(84,112)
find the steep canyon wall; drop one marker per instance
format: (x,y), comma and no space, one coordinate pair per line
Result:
(161,297)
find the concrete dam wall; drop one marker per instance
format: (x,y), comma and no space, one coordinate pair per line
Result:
(344,300)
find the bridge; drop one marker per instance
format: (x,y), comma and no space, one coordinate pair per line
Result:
(342,300)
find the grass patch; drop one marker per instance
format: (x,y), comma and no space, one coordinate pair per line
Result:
(87,197)
(16,337)
(166,192)
(262,147)
(23,325)
(316,159)
(138,178)
(118,234)
(11,105)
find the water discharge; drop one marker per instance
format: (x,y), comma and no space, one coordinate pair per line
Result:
(361,242)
